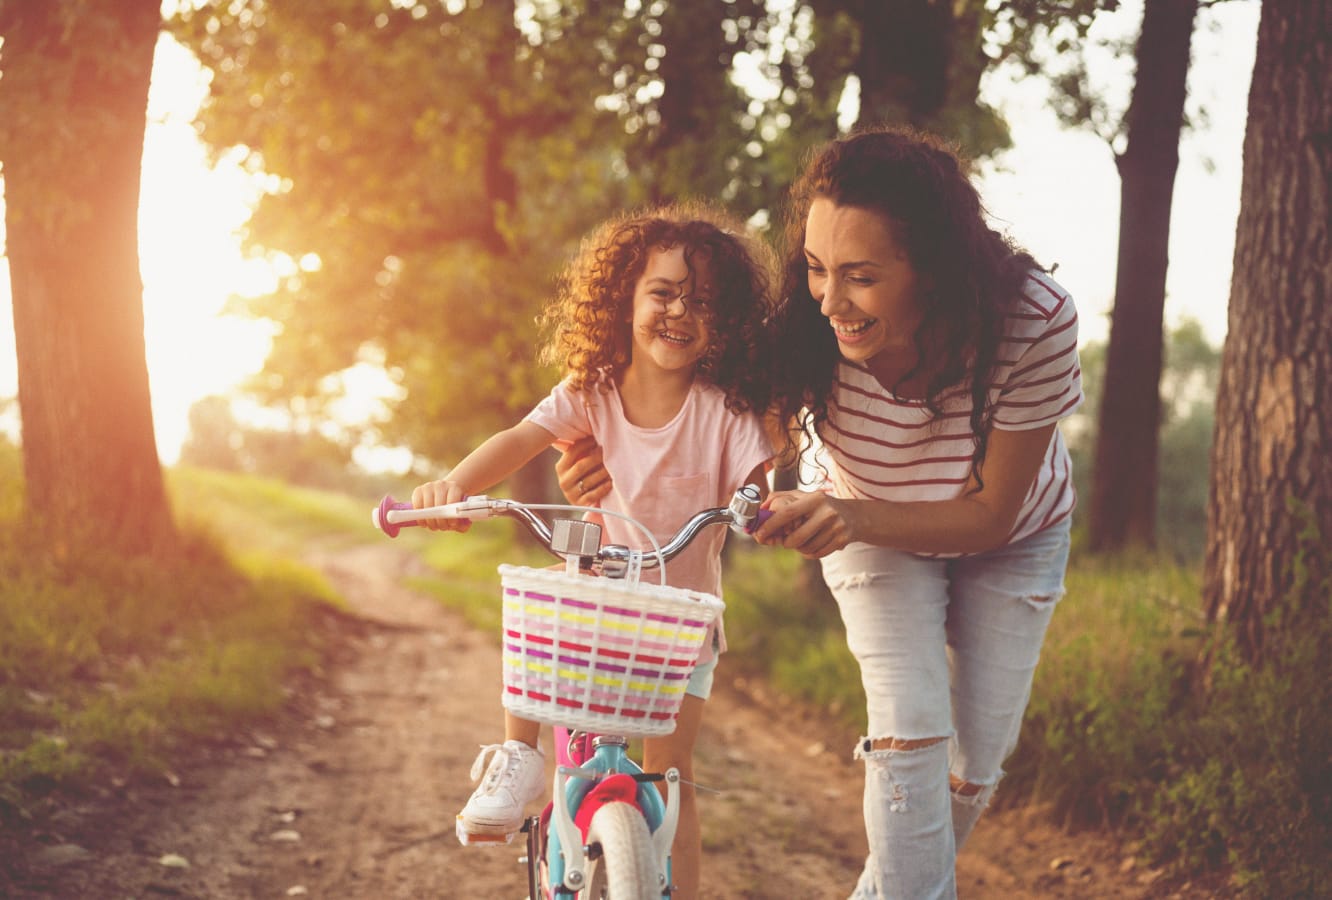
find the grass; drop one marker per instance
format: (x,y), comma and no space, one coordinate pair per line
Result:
(107,666)
(464,567)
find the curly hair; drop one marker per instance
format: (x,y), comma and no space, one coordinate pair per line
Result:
(590,316)
(919,184)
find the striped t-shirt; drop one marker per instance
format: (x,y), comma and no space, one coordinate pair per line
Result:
(882,447)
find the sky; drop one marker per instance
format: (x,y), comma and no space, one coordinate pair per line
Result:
(1056,192)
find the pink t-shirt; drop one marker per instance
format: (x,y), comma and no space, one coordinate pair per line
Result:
(663,476)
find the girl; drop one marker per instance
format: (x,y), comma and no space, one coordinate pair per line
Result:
(656,324)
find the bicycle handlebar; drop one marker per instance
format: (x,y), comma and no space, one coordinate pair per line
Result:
(573,538)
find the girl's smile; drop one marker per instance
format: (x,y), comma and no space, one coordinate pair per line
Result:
(670,322)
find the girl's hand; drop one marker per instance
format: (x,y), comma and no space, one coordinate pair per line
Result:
(437,493)
(582,476)
(812,523)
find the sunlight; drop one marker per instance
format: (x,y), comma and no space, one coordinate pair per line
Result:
(190,220)
(1056,189)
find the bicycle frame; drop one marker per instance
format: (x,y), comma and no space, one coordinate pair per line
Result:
(564,853)
(559,845)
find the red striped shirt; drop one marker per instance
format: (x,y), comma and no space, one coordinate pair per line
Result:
(882,447)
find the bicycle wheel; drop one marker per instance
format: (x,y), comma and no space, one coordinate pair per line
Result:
(626,868)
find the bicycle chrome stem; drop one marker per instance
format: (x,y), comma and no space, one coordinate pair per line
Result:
(616,559)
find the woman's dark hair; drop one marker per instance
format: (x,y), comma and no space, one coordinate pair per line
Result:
(919,185)
(591,313)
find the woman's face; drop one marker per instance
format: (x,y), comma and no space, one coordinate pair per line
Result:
(671,319)
(862,280)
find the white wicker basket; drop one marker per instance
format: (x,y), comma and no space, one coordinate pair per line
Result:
(598,654)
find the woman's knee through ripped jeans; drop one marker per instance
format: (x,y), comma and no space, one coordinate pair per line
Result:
(947,649)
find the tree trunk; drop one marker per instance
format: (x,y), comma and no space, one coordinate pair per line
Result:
(79,77)
(903,61)
(1123,507)
(1270,456)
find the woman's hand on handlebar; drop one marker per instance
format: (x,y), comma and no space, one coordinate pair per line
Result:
(583,478)
(812,523)
(437,493)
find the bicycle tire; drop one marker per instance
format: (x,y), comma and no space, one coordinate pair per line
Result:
(627,867)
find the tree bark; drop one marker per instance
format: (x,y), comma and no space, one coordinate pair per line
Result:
(77,77)
(1123,507)
(1271,469)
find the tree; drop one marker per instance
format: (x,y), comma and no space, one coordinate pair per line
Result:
(1125,475)
(438,164)
(1123,501)
(1270,505)
(920,63)
(435,163)
(73,107)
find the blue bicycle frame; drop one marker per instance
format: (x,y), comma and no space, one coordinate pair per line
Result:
(566,873)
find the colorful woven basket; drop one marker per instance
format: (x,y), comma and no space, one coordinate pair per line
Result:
(598,654)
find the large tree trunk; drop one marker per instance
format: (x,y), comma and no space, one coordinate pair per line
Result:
(78,76)
(1123,507)
(1274,405)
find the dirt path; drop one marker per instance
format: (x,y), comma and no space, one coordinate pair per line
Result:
(353,794)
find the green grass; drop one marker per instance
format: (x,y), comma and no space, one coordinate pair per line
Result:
(781,626)
(464,567)
(108,665)
(1111,678)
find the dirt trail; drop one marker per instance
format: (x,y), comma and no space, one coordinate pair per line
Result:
(353,793)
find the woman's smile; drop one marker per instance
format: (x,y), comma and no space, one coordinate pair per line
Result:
(862,279)
(851,332)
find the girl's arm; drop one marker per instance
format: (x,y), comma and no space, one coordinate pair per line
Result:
(499,457)
(816,524)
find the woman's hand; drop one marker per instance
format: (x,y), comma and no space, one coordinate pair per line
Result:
(437,493)
(812,523)
(582,476)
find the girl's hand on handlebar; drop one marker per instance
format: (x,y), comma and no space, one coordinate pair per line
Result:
(583,478)
(812,523)
(437,493)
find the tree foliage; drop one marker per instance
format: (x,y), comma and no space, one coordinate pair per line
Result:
(433,163)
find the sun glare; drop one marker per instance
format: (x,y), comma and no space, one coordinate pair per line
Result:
(1056,189)
(190,218)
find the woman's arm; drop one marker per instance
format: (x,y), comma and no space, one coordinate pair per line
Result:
(581,474)
(816,524)
(499,457)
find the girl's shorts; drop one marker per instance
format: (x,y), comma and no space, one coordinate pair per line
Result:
(700,682)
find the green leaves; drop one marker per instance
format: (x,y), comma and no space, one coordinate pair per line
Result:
(434,164)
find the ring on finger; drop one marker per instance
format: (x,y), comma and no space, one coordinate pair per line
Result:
(581,489)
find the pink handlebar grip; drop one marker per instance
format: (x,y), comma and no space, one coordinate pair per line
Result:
(379,516)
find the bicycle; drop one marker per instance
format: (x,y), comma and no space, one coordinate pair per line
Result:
(594,651)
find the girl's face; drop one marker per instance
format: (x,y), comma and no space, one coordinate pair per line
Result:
(862,280)
(670,312)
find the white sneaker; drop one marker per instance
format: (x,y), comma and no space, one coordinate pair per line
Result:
(515,776)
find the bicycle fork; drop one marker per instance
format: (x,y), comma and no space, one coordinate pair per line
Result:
(566,855)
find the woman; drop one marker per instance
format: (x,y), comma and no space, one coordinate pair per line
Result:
(929,361)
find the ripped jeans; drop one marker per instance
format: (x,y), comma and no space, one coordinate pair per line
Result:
(947,649)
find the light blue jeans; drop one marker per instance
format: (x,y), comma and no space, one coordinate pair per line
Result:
(947,649)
